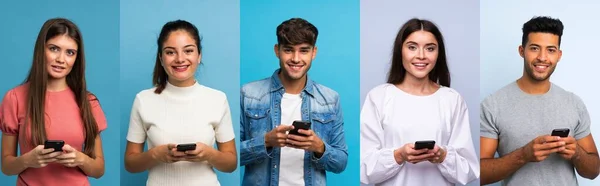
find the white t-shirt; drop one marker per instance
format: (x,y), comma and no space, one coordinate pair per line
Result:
(391,118)
(181,115)
(291,161)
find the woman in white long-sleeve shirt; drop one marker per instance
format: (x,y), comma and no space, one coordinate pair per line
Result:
(416,104)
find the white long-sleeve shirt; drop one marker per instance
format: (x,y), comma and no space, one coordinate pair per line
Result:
(391,118)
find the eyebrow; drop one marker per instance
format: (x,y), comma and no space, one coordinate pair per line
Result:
(415,43)
(536,45)
(169,47)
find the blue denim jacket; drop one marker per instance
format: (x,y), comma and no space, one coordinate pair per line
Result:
(261,112)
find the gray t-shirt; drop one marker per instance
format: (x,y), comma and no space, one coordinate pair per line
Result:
(515,118)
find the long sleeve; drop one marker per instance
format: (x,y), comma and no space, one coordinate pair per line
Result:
(335,157)
(461,164)
(377,164)
(251,149)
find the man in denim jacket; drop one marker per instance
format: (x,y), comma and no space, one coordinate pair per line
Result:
(269,107)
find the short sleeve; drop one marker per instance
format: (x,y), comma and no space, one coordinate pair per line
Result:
(136,132)
(97,113)
(9,121)
(224,128)
(487,122)
(583,125)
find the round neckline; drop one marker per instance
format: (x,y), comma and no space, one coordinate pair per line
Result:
(418,96)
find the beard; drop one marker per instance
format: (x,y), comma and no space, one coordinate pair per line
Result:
(530,72)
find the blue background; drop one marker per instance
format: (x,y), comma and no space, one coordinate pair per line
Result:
(218,23)
(335,66)
(99,24)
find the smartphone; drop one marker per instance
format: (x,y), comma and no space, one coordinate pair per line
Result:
(424,144)
(186,147)
(57,145)
(300,125)
(561,132)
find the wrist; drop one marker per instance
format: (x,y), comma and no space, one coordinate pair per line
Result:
(266,142)
(398,156)
(23,161)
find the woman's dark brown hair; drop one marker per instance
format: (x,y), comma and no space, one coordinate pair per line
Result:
(439,74)
(159,77)
(38,81)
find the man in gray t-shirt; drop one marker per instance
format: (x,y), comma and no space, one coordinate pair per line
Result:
(517,120)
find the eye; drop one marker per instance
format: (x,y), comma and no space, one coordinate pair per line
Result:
(53,48)
(551,50)
(287,50)
(189,51)
(412,47)
(430,49)
(534,48)
(169,52)
(304,51)
(70,52)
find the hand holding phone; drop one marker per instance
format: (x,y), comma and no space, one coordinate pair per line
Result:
(563,133)
(186,147)
(428,144)
(57,145)
(304,125)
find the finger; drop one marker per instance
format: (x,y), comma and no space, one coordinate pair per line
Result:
(422,156)
(551,145)
(65,161)
(548,139)
(67,148)
(171,146)
(180,154)
(281,135)
(416,152)
(53,155)
(44,151)
(297,138)
(305,132)
(284,128)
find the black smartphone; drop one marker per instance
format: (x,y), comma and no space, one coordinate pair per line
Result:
(57,145)
(424,144)
(305,125)
(561,132)
(186,147)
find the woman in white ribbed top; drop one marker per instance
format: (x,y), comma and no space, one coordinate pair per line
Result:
(178,110)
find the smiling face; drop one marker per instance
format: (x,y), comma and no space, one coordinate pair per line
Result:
(419,54)
(60,55)
(180,58)
(541,53)
(295,60)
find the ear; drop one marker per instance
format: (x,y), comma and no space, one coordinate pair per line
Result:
(559,55)
(521,51)
(199,58)
(314,53)
(276,49)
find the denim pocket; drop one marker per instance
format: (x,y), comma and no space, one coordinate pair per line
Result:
(258,120)
(322,124)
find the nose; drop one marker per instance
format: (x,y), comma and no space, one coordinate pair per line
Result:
(296,57)
(60,58)
(421,54)
(180,58)
(542,56)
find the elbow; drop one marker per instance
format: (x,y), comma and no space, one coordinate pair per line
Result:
(98,175)
(6,171)
(131,168)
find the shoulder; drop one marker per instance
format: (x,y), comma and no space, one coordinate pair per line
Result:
(256,89)
(212,93)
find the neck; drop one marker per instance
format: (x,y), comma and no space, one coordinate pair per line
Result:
(292,86)
(184,83)
(55,85)
(531,86)
(418,86)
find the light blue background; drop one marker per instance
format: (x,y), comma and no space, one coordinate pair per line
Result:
(501,36)
(141,22)
(459,24)
(335,66)
(99,24)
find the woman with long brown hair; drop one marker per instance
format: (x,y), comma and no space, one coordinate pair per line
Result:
(53,104)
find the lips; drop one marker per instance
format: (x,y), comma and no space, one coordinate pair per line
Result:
(541,67)
(420,65)
(295,67)
(181,68)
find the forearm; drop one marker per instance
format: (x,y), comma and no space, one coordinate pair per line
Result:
(93,167)
(587,164)
(139,162)
(253,150)
(223,161)
(333,159)
(12,165)
(496,169)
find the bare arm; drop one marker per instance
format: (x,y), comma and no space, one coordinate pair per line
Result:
(136,160)
(11,164)
(587,162)
(94,167)
(496,169)
(225,158)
